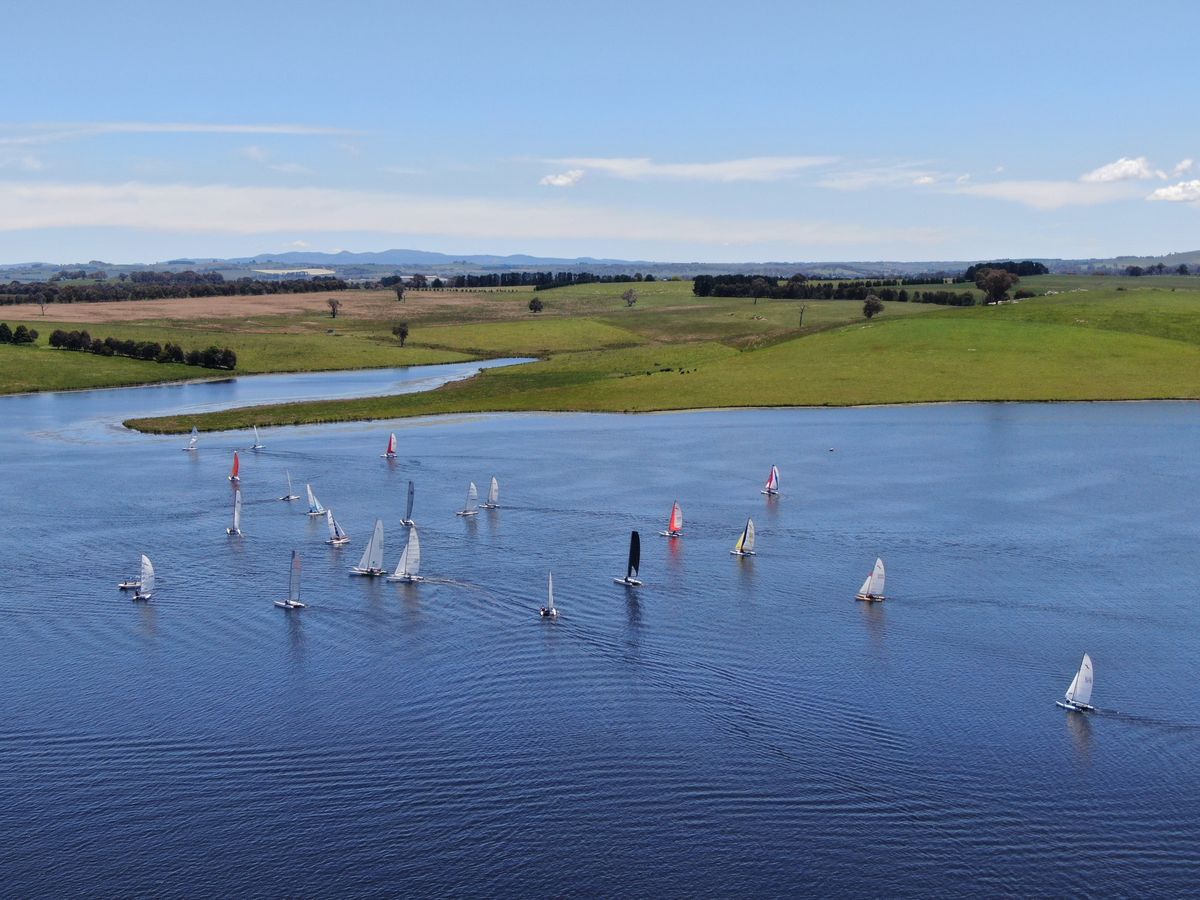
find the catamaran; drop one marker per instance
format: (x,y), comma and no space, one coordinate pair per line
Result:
(549,611)
(1079,694)
(257,445)
(372,558)
(290,495)
(193,440)
(145,588)
(872,588)
(408,519)
(675,523)
(771,488)
(337,537)
(236,528)
(390,452)
(130,584)
(410,560)
(293,597)
(314,505)
(233,472)
(635,561)
(745,543)
(469,509)
(493,497)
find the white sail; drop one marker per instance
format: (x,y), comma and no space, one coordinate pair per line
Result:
(877,579)
(192,441)
(472,494)
(550,592)
(288,473)
(257,443)
(237,511)
(147,587)
(493,493)
(1080,691)
(314,505)
(410,556)
(372,558)
(745,543)
(335,530)
(865,590)
(294,582)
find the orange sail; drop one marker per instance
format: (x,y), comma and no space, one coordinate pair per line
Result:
(676,523)
(233,473)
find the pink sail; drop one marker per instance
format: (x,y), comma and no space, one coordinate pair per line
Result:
(676,523)
(391,447)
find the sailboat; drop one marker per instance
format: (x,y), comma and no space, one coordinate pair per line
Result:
(337,537)
(130,584)
(290,495)
(293,597)
(493,497)
(390,452)
(675,523)
(745,543)
(236,528)
(412,493)
(635,560)
(410,560)
(314,505)
(372,558)
(145,588)
(233,472)
(872,588)
(469,509)
(549,611)
(771,488)
(1079,694)
(193,440)
(257,445)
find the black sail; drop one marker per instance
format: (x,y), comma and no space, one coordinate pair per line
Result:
(635,554)
(411,492)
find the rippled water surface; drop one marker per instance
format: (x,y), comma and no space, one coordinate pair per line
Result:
(733,727)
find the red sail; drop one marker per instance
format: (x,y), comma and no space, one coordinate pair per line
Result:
(676,524)
(234,472)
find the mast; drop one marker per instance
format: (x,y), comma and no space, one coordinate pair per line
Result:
(294,581)
(550,591)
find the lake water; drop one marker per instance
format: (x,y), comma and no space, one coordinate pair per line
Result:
(733,727)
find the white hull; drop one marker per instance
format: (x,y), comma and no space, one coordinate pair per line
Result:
(129,586)
(489,505)
(314,513)
(257,447)
(467,512)
(289,604)
(742,553)
(1074,707)
(140,597)
(373,573)
(289,498)
(870,598)
(189,449)
(769,492)
(337,542)
(387,455)
(233,532)
(235,479)
(548,613)
(671,533)
(407,523)
(405,579)
(628,582)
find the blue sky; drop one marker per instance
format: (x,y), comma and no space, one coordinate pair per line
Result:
(138,131)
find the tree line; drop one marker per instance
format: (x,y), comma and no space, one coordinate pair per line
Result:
(209,358)
(1020,269)
(1156,269)
(22,335)
(564,279)
(160,286)
(798,287)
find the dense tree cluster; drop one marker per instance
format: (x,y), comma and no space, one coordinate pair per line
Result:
(159,286)
(1156,269)
(563,279)
(210,358)
(22,335)
(1020,269)
(798,287)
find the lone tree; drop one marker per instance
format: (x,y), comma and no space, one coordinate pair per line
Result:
(334,305)
(401,331)
(630,297)
(416,282)
(536,305)
(399,293)
(995,284)
(872,306)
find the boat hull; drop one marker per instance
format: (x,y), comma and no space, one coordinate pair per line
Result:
(769,492)
(467,512)
(1074,707)
(407,523)
(671,534)
(405,579)
(338,542)
(129,586)
(743,553)
(289,498)
(869,598)
(315,513)
(140,598)
(233,532)
(369,573)
(548,613)
(628,582)
(489,505)
(289,604)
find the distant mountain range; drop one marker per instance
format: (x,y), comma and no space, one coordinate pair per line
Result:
(347,264)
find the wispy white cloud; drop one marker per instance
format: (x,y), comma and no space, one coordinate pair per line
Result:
(879,176)
(924,179)
(569,178)
(24,162)
(755,168)
(254,153)
(258,154)
(229,209)
(1184,165)
(1050,194)
(1183,192)
(1124,169)
(49,132)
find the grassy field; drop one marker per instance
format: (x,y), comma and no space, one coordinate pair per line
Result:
(1086,338)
